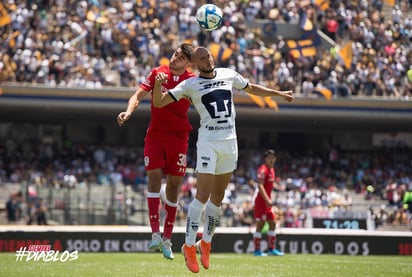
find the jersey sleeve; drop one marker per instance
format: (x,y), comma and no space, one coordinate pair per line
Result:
(239,81)
(148,84)
(179,91)
(261,173)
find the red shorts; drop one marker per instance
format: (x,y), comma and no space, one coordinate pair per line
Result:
(166,152)
(263,213)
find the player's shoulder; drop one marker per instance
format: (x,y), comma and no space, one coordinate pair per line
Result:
(224,71)
(192,80)
(263,168)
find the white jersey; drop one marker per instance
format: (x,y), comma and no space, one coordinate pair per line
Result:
(213,100)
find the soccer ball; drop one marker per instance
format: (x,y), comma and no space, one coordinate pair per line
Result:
(209,17)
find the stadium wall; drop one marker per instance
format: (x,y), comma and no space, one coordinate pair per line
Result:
(89,109)
(227,240)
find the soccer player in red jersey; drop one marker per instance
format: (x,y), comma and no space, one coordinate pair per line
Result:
(166,144)
(263,205)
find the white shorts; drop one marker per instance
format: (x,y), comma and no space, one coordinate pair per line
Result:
(217,157)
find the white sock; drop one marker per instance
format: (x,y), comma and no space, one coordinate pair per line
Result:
(271,233)
(153,194)
(193,221)
(212,216)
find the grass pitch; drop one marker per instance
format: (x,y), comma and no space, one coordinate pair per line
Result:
(153,264)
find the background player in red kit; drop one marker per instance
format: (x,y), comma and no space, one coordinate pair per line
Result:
(263,205)
(166,144)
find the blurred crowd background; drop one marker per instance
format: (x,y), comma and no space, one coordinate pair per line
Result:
(97,43)
(331,180)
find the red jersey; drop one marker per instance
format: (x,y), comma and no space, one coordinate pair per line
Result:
(268,176)
(172,117)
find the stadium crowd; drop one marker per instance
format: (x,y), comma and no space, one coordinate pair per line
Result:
(95,43)
(306,180)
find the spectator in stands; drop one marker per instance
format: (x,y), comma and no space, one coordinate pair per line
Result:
(401,217)
(41,212)
(30,212)
(407,201)
(381,217)
(245,213)
(8,68)
(11,208)
(228,214)
(346,202)
(17,205)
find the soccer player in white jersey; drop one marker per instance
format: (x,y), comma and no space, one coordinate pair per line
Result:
(212,95)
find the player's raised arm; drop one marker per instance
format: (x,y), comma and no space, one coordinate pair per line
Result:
(268,92)
(132,104)
(160,99)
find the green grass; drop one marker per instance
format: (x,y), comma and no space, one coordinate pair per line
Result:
(153,264)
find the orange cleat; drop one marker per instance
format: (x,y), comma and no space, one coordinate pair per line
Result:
(189,252)
(204,250)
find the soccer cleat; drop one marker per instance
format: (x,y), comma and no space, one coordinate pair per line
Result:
(189,252)
(275,252)
(156,242)
(167,249)
(259,253)
(204,249)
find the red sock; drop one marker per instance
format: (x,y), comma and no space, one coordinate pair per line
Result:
(257,240)
(153,206)
(271,242)
(169,221)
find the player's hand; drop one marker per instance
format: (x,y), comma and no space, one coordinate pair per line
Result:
(122,118)
(288,95)
(160,77)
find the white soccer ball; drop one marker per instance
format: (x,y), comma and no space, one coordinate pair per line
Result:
(209,17)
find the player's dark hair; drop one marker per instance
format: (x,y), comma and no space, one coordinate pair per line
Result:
(187,50)
(269,152)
